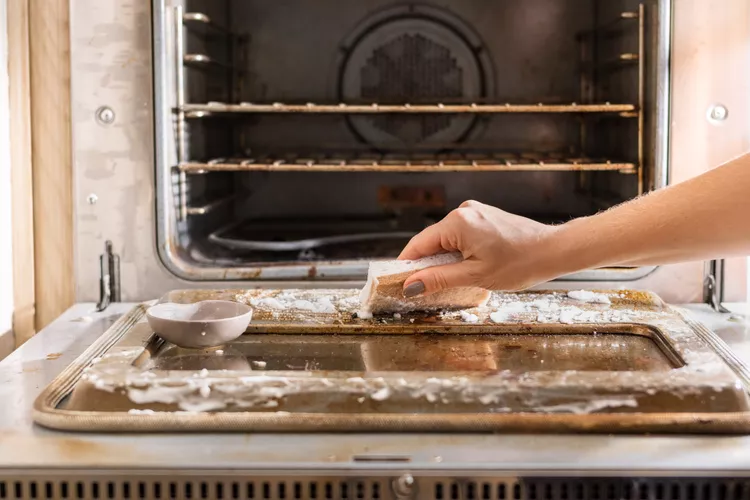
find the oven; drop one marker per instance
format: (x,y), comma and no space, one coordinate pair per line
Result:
(287,144)
(298,141)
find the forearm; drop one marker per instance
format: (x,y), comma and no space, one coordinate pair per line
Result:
(703,218)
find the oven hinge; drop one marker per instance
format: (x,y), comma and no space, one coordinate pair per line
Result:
(109,277)
(713,285)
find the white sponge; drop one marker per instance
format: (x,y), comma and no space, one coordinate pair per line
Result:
(383,292)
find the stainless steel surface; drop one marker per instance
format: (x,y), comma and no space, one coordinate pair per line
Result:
(308,244)
(641,58)
(315,366)
(718,113)
(28,448)
(180,133)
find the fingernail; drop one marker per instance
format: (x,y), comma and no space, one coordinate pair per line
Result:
(414,289)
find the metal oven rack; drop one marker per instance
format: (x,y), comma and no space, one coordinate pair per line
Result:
(357,162)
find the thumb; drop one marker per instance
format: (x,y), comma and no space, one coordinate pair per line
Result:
(435,279)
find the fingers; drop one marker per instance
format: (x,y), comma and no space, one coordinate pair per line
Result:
(435,279)
(428,242)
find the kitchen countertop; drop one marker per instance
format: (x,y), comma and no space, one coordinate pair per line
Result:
(23,445)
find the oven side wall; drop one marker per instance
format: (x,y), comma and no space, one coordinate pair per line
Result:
(711,66)
(111,57)
(114,163)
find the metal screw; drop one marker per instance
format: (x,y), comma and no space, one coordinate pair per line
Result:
(403,487)
(718,113)
(92,199)
(105,115)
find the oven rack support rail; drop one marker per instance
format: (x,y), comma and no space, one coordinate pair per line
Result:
(208,109)
(376,165)
(635,59)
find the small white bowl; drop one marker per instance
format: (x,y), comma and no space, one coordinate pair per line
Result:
(208,323)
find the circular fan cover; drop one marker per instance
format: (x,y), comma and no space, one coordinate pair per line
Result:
(415,61)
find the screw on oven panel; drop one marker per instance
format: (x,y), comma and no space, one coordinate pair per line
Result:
(92,199)
(403,487)
(718,113)
(105,115)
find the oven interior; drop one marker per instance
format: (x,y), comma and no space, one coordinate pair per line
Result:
(309,132)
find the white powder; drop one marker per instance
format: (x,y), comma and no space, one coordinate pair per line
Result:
(468,317)
(322,305)
(515,307)
(508,310)
(545,305)
(568,315)
(259,364)
(590,317)
(140,412)
(267,303)
(205,391)
(396,316)
(590,297)
(381,394)
(499,317)
(541,317)
(363,314)
(285,301)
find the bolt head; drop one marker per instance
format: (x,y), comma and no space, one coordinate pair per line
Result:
(718,113)
(105,115)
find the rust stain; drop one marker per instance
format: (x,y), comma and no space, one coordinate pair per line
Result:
(81,449)
(312,272)
(250,275)
(54,355)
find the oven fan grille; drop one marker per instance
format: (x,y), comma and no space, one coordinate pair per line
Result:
(420,68)
(177,485)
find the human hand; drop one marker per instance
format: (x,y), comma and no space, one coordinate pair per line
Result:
(501,251)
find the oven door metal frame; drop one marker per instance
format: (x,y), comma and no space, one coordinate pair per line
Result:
(170,228)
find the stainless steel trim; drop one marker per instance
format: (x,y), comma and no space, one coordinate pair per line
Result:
(610,274)
(641,92)
(739,367)
(661,130)
(305,244)
(180,95)
(165,213)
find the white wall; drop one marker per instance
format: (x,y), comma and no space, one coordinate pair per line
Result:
(6,263)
